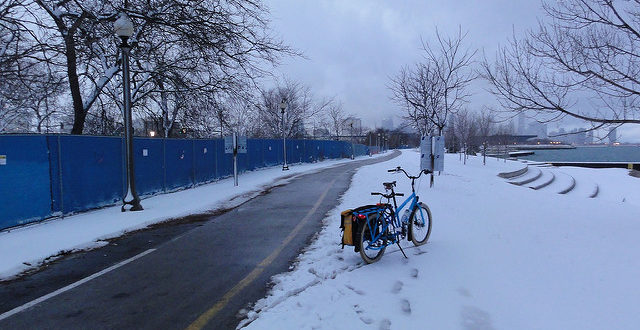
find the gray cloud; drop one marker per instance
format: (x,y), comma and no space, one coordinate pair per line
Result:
(353,46)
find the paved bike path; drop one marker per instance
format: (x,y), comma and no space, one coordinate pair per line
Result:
(203,276)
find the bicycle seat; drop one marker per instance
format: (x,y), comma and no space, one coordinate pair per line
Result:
(389,185)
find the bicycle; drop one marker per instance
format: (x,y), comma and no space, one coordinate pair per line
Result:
(382,225)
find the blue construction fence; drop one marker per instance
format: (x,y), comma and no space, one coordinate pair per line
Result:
(50,175)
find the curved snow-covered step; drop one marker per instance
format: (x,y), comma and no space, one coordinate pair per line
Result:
(546,179)
(532,174)
(568,183)
(595,192)
(533,162)
(514,174)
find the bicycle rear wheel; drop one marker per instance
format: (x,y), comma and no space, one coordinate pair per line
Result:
(371,251)
(420,225)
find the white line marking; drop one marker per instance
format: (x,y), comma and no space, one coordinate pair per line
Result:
(71,286)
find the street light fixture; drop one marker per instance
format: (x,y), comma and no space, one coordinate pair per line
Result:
(283,106)
(124,29)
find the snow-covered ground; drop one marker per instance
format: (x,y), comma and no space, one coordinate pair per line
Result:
(28,246)
(500,256)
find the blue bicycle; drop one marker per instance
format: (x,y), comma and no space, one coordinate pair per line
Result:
(381,225)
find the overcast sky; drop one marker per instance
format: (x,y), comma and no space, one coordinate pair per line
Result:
(354,46)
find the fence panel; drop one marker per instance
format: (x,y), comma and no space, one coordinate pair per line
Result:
(178,163)
(24,180)
(296,151)
(92,170)
(225,161)
(204,160)
(254,154)
(272,152)
(148,156)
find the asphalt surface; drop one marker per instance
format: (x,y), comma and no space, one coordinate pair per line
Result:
(198,271)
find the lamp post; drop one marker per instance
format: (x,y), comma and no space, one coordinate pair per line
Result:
(124,29)
(283,106)
(352,145)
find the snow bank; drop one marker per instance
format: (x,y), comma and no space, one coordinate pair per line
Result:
(500,256)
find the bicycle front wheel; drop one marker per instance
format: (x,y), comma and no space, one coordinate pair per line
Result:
(420,225)
(371,245)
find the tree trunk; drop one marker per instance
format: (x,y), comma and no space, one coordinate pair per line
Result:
(79,114)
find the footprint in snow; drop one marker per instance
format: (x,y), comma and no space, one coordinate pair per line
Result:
(385,324)
(366,319)
(360,292)
(397,287)
(414,273)
(405,306)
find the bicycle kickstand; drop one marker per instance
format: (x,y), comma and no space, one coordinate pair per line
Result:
(401,250)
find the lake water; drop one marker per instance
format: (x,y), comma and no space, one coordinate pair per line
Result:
(588,154)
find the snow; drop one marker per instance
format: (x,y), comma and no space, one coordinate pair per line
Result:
(500,256)
(91,229)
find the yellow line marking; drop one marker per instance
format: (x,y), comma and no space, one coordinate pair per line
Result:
(201,321)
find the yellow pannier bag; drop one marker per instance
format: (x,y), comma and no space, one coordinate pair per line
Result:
(346,224)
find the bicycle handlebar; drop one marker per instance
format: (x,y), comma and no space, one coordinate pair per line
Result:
(400,169)
(387,196)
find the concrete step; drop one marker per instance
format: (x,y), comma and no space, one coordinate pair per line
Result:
(513,174)
(546,179)
(570,185)
(533,174)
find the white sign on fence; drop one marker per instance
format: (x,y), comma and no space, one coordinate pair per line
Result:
(438,153)
(242,144)
(228,144)
(432,146)
(425,153)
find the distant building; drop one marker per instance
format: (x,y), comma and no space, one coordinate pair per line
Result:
(613,135)
(537,129)
(521,124)
(576,136)
(589,138)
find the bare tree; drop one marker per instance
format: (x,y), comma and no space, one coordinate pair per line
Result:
(337,118)
(301,107)
(465,129)
(583,61)
(179,48)
(437,87)
(485,122)
(453,64)
(418,91)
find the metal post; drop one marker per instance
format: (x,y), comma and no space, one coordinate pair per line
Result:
(283,106)
(352,145)
(484,153)
(235,159)
(131,197)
